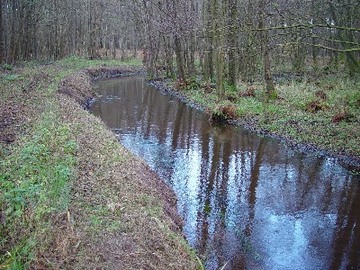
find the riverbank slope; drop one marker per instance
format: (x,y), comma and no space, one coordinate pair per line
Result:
(71,196)
(321,116)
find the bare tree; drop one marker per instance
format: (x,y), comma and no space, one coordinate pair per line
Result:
(1,33)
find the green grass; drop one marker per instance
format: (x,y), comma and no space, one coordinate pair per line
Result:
(36,180)
(82,62)
(48,215)
(289,114)
(11,77)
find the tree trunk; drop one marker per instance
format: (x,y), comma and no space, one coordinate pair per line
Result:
(232,36)
(1,33)
(192,45)
(267,77)
(219,12)
(247,63)
(208,68)
(168,59)
(179,58)
(352,63)
(314,50)
(14,44)
(220,65)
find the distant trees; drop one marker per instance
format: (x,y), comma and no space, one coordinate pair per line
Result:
(52,29)
(224,41)
(248,40)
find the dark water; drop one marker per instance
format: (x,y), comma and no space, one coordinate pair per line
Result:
(247,201)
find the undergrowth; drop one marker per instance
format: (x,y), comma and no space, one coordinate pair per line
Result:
(324,111)
(82,62)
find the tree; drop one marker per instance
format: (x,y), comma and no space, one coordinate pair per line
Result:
(232,41)
(267,77)
(1,33)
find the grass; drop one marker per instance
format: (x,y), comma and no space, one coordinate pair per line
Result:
(36,180)
(322,111)
(70,195)
(81,62)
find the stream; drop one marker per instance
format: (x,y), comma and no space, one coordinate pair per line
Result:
(247,201)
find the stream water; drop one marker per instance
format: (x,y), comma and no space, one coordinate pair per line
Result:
(247,201)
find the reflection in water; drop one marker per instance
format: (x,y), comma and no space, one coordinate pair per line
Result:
(246,201)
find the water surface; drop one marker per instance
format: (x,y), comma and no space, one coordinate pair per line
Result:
(246,201)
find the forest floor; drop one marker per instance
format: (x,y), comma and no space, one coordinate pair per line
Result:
(71,197)
(311,114)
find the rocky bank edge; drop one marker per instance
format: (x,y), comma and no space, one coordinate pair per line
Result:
(350,162)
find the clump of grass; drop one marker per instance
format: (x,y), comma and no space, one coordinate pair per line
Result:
(11,77)
(316,105)
(223,112)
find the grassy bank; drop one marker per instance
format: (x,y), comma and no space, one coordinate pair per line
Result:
(322,113)
(71,197)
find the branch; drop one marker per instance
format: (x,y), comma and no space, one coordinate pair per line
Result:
(332,49)
(335,40)
(307,26)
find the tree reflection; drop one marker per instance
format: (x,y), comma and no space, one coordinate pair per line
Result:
(346,247)
(241,195)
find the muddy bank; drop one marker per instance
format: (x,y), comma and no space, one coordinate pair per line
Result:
(350,162)
(79,86)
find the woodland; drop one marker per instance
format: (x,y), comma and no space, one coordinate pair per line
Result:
(223,41)
(285,68)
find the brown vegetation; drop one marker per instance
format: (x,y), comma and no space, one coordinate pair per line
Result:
(78,86)
(16,108)
(321,95)
(223,113)
(342,116)
(250,92)
(180,84)
(140,210)
(315,106)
